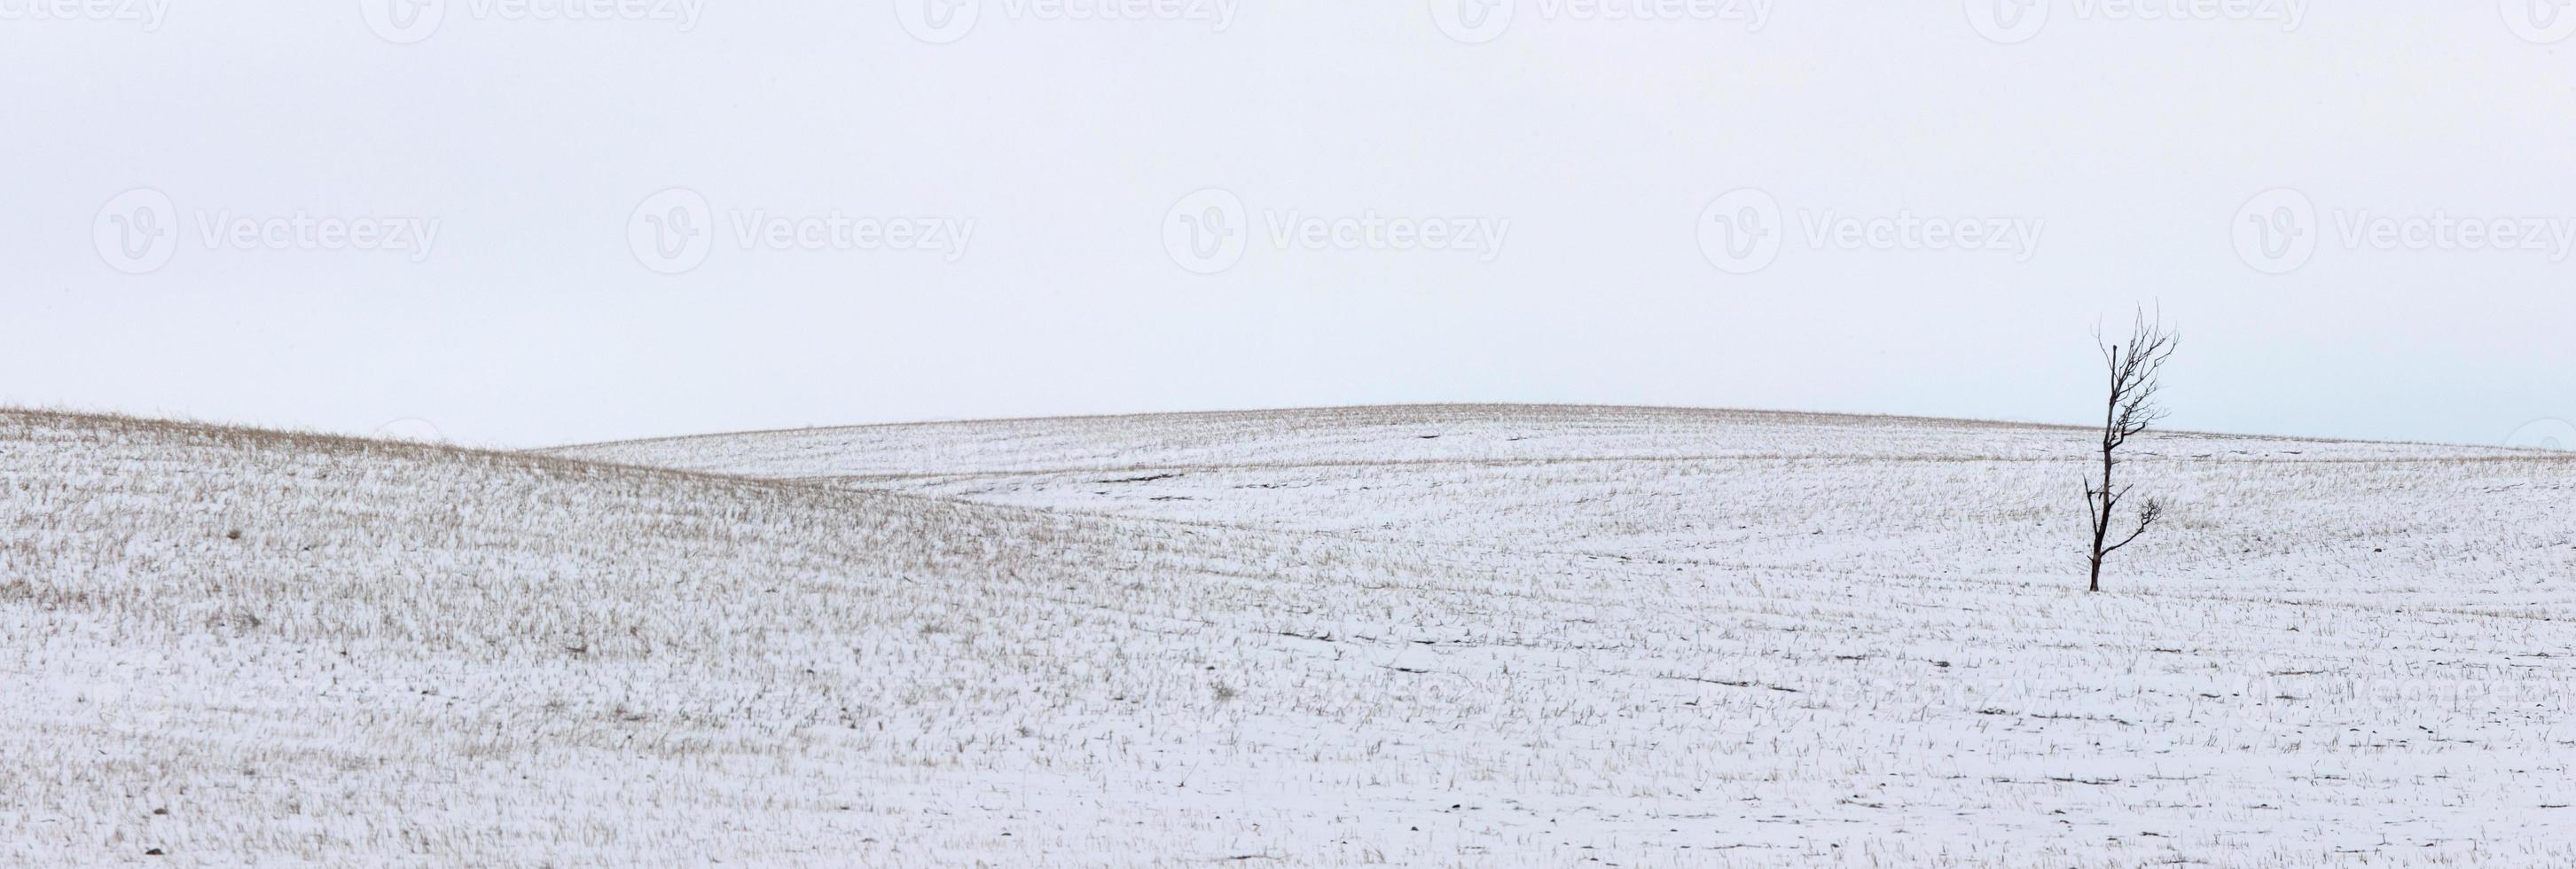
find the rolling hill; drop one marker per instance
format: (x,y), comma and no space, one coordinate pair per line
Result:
(1454,635)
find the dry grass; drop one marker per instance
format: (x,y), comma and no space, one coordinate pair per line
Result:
(1758,640)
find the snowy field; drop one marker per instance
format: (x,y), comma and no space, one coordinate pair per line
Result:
(1448,636)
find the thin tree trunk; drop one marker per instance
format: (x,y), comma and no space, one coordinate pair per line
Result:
(2102,512)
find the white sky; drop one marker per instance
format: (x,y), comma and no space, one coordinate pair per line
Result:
(2128,145)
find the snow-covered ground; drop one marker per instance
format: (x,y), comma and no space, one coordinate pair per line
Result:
(1407,636)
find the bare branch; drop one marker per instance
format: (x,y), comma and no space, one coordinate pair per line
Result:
(2146,519)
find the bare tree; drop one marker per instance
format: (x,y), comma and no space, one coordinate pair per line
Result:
(2134,368)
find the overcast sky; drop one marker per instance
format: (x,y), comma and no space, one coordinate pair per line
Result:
(520,224)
